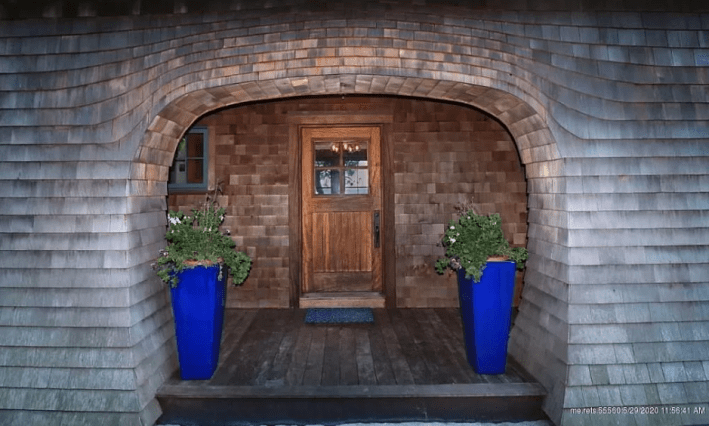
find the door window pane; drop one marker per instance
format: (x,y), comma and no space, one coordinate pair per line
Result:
(355,154)
(327,154)
(356,181)
(340,167)
(327,182)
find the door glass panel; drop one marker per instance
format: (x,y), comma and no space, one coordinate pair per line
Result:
(340,167)
(355,154)
(356,181)
(327,154)
(327,182)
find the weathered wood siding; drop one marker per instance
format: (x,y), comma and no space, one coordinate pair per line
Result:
(608,110)
(251,161)
(444,154)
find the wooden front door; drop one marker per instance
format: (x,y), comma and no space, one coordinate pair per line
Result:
(342,218)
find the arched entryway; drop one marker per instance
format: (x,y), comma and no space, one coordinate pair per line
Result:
(430,158)
(530,133)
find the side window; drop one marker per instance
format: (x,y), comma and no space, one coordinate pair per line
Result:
(189,168)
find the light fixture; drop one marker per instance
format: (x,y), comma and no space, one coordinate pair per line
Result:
(344,146)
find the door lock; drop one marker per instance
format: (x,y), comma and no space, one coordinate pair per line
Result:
(376,228)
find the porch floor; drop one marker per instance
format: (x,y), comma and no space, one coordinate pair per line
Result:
(409,365)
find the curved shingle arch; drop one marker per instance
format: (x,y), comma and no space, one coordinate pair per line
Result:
(533,138)
(526,123)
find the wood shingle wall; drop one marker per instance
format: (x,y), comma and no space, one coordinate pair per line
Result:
(608,112)
(445,156)
(251,161)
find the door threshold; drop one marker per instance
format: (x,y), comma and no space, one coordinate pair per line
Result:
(354,299)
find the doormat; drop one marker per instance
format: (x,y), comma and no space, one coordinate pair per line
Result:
(339,316)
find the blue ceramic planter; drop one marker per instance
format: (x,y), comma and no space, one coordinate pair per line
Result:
(198,306)
(485,309)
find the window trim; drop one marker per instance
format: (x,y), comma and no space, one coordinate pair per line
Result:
(193,187)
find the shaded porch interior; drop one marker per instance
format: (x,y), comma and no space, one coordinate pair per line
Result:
(410,364)
(434,156)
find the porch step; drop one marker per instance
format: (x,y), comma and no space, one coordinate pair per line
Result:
(207,405)
(358,299)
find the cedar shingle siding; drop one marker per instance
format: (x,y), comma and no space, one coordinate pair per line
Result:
(607,110)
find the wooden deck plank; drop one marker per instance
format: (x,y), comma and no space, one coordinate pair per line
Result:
(348,362)
(331,361)
(279,340)
(296,367)
(399,364)
(411,348)
(275,376)
(268,332)
(232,341)
(451,345)
(242,362)
(439,360)
(314,363)
(428,341)
(232,321)
(236,322)
(382,364)
(281,363)
(363,356)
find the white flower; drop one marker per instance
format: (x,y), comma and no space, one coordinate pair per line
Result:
(452,227)
(452,240)
(174,220)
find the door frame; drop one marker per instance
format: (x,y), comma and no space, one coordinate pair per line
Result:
(296,121)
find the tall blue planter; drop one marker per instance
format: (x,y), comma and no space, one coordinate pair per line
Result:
(198,306)
(485,309)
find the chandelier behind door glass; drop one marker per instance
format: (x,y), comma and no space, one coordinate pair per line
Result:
(341,167)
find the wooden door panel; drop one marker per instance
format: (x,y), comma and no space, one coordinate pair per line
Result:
(339,249)
(336,204)
(342,242)
(337,281)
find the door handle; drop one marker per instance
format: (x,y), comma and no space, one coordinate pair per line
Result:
(376,228)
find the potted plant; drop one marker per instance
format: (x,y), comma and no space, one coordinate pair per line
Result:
(195,264)
(477,250)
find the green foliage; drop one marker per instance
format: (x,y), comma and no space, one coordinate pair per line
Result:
(471,239)
(197,238)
